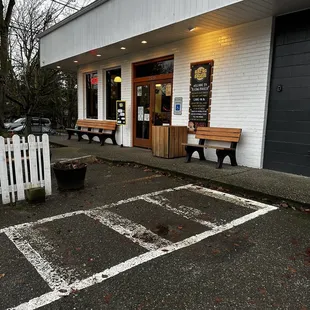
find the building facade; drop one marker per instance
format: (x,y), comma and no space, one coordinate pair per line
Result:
(145,52)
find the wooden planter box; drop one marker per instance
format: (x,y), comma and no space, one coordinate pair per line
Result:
(167,141)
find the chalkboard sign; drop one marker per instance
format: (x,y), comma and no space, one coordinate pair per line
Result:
(200,88)
(121,112)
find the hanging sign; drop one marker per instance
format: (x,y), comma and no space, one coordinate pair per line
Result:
(121,112)
(200,94)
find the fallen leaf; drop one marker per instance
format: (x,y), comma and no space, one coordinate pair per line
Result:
(2,275)
(251,302)
(284,205)
(107,298)
(263,291)
(180,227)
(218,300)
(294,241)
(216,251)
(74,291)
(291,269)
(236,244)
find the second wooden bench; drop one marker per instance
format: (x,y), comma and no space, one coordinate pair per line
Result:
(88,127)
(231,135)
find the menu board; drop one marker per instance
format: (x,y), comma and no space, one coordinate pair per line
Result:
(121,112)
(199,94)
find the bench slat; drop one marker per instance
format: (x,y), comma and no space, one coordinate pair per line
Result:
(209,146)
(107,125)
(218,138)
(218,129)
(219,134)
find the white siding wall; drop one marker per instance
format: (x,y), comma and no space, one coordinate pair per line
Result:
(118,20)
(241,64)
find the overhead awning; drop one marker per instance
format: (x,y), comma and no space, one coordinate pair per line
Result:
(102,29)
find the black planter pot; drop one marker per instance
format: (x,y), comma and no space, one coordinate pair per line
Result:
(70,179)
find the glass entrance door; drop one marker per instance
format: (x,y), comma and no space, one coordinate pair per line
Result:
(153,104)
(142,115)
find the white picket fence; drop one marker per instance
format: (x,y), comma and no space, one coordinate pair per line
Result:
(24,164)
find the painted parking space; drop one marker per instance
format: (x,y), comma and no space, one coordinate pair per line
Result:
(78,250)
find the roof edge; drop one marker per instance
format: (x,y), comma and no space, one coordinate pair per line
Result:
(72,17)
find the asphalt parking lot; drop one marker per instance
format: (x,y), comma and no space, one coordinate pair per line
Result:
(136,239)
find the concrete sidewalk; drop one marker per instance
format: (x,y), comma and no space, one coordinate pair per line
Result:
(278,186)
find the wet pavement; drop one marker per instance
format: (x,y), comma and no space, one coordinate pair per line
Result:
(137,239)
(280,186)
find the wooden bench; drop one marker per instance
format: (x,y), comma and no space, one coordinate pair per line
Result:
(87,126)
(231,135)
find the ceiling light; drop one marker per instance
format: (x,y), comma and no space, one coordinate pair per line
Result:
(123,48)
(75,61)
(58,67)
(117,79)
(191,28)
(98,55)
(144,42)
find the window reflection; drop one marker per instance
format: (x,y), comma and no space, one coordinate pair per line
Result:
(113,92)
(92,95)
(154,68)
(163,104)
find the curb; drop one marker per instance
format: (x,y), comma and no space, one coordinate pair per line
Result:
(224,187)
(218,185)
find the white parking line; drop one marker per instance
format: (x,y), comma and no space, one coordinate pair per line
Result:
(187,212)
(243,202)
(136,261)
(108,206)
(131,230)
(44,268)
(135,232)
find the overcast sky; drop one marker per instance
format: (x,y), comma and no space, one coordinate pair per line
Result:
(80,3)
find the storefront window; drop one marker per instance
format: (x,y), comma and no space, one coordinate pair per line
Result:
(154,68)
(92,95)
(113,91)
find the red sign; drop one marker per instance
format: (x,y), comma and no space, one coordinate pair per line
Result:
(94,81)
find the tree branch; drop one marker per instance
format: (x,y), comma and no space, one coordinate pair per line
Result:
(15,101)
(9,12)
(1,11)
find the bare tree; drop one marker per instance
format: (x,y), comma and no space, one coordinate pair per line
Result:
(5,20)
(26,88)
(32,87)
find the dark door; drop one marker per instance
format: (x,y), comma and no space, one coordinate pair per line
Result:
(287,146)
